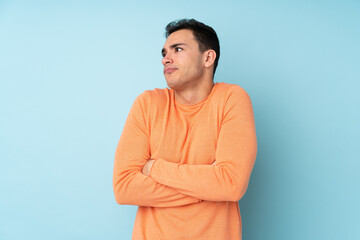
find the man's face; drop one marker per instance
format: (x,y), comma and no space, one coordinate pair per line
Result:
(182,60)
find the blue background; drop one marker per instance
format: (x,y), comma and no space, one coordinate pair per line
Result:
(70,71)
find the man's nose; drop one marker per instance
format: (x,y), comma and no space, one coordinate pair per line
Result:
(167,59)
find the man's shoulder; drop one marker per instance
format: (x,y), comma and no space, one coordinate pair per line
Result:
(157,93)
(155,96)
(229,89)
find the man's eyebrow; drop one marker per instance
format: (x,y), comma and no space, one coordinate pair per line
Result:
(172,46)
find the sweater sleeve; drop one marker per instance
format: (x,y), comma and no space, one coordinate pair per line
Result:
(133,150)
(228,179)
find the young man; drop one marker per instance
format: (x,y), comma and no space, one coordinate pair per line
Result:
(186,152)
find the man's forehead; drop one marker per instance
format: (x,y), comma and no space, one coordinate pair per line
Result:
(180,36)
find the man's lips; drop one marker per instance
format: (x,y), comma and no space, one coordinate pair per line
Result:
(169,70)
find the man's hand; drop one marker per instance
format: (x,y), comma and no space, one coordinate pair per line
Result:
(147,167)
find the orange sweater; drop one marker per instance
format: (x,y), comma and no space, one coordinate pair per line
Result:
(185,196)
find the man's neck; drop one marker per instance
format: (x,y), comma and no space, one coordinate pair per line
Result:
(195,94)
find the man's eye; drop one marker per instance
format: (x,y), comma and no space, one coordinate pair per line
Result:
(177,49)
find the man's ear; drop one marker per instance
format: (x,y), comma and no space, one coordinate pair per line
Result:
(209,58)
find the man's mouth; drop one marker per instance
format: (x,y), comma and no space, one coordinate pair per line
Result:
(169,70)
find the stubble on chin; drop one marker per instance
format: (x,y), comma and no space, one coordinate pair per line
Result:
(171,83)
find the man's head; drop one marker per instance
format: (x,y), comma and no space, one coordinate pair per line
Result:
(204,35)
(191,49)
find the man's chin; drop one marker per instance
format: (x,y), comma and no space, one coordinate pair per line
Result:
(171,83)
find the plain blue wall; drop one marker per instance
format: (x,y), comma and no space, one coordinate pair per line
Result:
(70,71)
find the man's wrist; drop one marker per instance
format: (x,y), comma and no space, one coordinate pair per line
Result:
(151,167)
(147,167)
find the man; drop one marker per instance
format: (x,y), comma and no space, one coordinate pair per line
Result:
(186,152)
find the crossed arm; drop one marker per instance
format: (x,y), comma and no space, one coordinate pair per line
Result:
(130,185)
(139,180)
(147,167)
